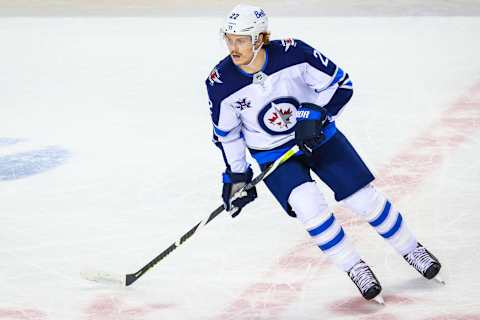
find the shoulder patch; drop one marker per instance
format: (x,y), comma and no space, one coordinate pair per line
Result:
(214,77)
(288,42)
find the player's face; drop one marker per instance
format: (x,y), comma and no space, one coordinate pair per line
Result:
(240,48)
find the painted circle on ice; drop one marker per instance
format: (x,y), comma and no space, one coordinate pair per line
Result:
(26,163)
(278,116)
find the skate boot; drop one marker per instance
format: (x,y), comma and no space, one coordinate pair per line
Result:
(366,282)
(424,262)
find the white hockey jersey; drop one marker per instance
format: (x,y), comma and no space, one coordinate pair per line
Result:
(257,111)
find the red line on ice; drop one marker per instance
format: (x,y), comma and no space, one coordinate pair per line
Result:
(21,314)
(356,306)
(114,308)
(398,178)
(456,317)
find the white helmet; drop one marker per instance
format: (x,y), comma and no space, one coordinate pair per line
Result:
(246,20)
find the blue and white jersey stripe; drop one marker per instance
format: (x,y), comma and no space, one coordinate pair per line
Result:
(219,132)
(338,78)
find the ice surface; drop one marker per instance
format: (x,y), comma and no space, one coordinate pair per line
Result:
(122,103)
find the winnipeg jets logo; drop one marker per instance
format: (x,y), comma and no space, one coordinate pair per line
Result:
(281,117)
(242,104)
(278,116)
(287,43)
(214,77)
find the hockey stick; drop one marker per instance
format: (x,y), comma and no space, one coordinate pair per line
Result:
(130,278)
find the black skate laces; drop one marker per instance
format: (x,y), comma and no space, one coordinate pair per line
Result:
(362,276)
(419,259)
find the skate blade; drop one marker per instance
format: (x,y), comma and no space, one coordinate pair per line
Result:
(379,299)
(103,277)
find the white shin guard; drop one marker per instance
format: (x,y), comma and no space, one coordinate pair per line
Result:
(312,210)
(372,206)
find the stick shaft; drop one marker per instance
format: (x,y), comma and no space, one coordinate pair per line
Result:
(132,277)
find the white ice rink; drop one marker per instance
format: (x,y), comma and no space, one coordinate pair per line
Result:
(105,159)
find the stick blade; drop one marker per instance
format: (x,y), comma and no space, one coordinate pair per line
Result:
(103,277)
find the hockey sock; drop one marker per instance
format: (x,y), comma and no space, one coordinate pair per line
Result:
(389,224)
(312,210)
(372,206)
(330,237)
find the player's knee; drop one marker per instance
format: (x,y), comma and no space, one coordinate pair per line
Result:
(366,202)
(308,202)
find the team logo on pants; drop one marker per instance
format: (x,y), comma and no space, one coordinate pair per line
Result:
(278,116)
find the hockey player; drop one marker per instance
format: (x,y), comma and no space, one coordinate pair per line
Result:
(267,96)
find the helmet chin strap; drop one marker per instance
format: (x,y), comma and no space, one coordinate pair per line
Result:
(255,52)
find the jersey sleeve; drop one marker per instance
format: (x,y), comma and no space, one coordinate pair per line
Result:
(227,133)
(331,84)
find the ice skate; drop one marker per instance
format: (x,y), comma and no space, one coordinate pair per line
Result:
(366,282)
(424,262)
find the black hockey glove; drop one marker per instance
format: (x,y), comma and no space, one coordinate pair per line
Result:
(311,120)
(232,183)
